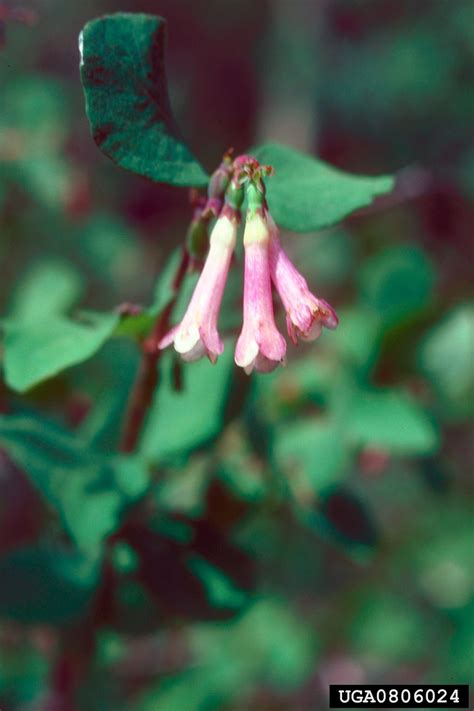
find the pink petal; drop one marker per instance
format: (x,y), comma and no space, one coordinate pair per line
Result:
(168,338)
(306,314)
(260,344)
(197,334)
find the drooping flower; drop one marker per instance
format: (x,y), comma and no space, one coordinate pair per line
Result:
(305,313)
(260,345)
(196,335)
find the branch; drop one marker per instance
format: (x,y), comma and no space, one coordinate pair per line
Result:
(147,379)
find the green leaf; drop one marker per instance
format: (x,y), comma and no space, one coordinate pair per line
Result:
(306,194)
(137,326)
(446,357)
(49,287)
(390,420)
(357,338)
(117,364)
(311,454)
(398,282)
(123,74)
(47,586)
(180,421)
(89,490)
(39,349)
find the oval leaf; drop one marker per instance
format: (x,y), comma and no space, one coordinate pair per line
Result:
(390,420)
(306,194)
(35,350)
(123,74)
(181,421)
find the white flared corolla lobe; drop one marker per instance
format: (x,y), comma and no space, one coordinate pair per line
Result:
(260,345)
(305,313)
(196,335)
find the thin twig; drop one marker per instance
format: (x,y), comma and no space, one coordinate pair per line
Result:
(147,379)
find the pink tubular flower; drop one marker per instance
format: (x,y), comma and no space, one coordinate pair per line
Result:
(260,344)
(197,334)
(305,314)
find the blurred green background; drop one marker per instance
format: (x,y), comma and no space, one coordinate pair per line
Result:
(279,533)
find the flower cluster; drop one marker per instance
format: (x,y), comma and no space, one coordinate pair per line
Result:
(260,346)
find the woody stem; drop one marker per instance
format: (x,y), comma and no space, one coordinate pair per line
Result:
(147,379)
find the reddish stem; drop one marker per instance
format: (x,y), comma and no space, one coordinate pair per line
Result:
(147,379)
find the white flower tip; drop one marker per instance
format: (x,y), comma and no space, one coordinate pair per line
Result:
(194,353)
(246,351)
(168,338)
(186,338)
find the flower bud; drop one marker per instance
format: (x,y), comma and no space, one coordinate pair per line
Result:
(197,239)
